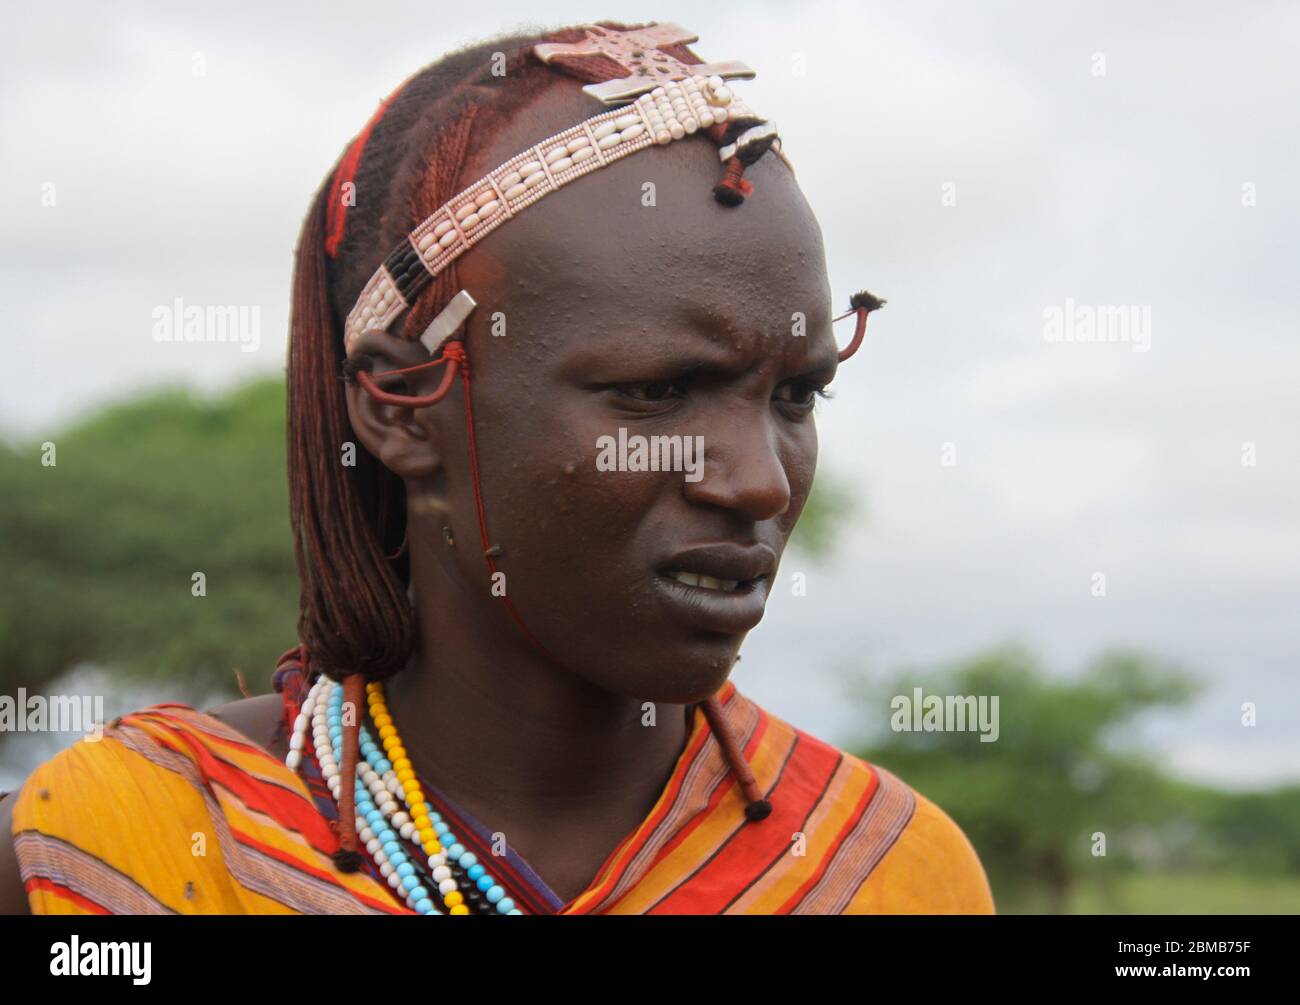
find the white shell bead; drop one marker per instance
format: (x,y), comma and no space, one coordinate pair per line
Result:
(608,141)
(426,242)
(663,136)
(447,238)
(469,221)
(293,760)
(603,130)
(442,228)
(464,211)
(536,178)
(623,121)
(516,190)
(512,179)
(532,167)
(555,155)
(483,198)
(488,208)
(577,144)
(562,163)
(583,154)
(631,132)
(676,129)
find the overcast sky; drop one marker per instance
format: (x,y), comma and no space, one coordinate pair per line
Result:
(978,165)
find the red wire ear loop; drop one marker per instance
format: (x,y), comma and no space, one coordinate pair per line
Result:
(453,355)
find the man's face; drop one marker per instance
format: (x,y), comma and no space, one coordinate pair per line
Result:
(633,312)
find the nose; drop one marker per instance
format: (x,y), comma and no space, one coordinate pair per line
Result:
(742,471)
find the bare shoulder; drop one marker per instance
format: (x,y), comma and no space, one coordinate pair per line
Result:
(258,719)
(13,898)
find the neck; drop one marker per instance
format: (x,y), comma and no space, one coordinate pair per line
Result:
(527,746)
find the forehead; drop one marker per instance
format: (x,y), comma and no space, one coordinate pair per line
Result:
(644,238)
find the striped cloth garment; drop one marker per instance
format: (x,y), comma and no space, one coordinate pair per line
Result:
(172,811)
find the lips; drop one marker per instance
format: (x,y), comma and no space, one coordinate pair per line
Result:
(724,562)
(719,588)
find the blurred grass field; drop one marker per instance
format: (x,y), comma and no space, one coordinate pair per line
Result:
(1189,893)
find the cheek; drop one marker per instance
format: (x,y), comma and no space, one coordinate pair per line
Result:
(799,457)
(544,495)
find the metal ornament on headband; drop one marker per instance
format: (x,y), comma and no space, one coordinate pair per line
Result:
(638,52)
(669,101)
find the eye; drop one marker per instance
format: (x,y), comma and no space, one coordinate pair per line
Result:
(800,394)
(652,390)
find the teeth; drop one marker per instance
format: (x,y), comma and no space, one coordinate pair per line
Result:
(705,582)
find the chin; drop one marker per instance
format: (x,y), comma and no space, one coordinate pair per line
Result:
(682,673)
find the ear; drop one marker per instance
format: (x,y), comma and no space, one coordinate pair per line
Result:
(405,440)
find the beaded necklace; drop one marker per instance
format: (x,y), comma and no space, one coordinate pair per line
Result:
(410,842)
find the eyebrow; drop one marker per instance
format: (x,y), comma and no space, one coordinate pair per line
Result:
(710,353)
(709,321)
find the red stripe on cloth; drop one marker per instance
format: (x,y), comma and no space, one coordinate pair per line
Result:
(194,720)
(728,783)
(286,807)
(836,845)
(748,854)
(388,907)
(49,886)
(629,846)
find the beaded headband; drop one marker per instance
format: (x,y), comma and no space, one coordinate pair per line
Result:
(670,100)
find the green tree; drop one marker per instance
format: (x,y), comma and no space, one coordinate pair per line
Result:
(1066,765)
(102,547)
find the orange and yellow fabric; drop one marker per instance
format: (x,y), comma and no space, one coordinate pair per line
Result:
(171,811)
